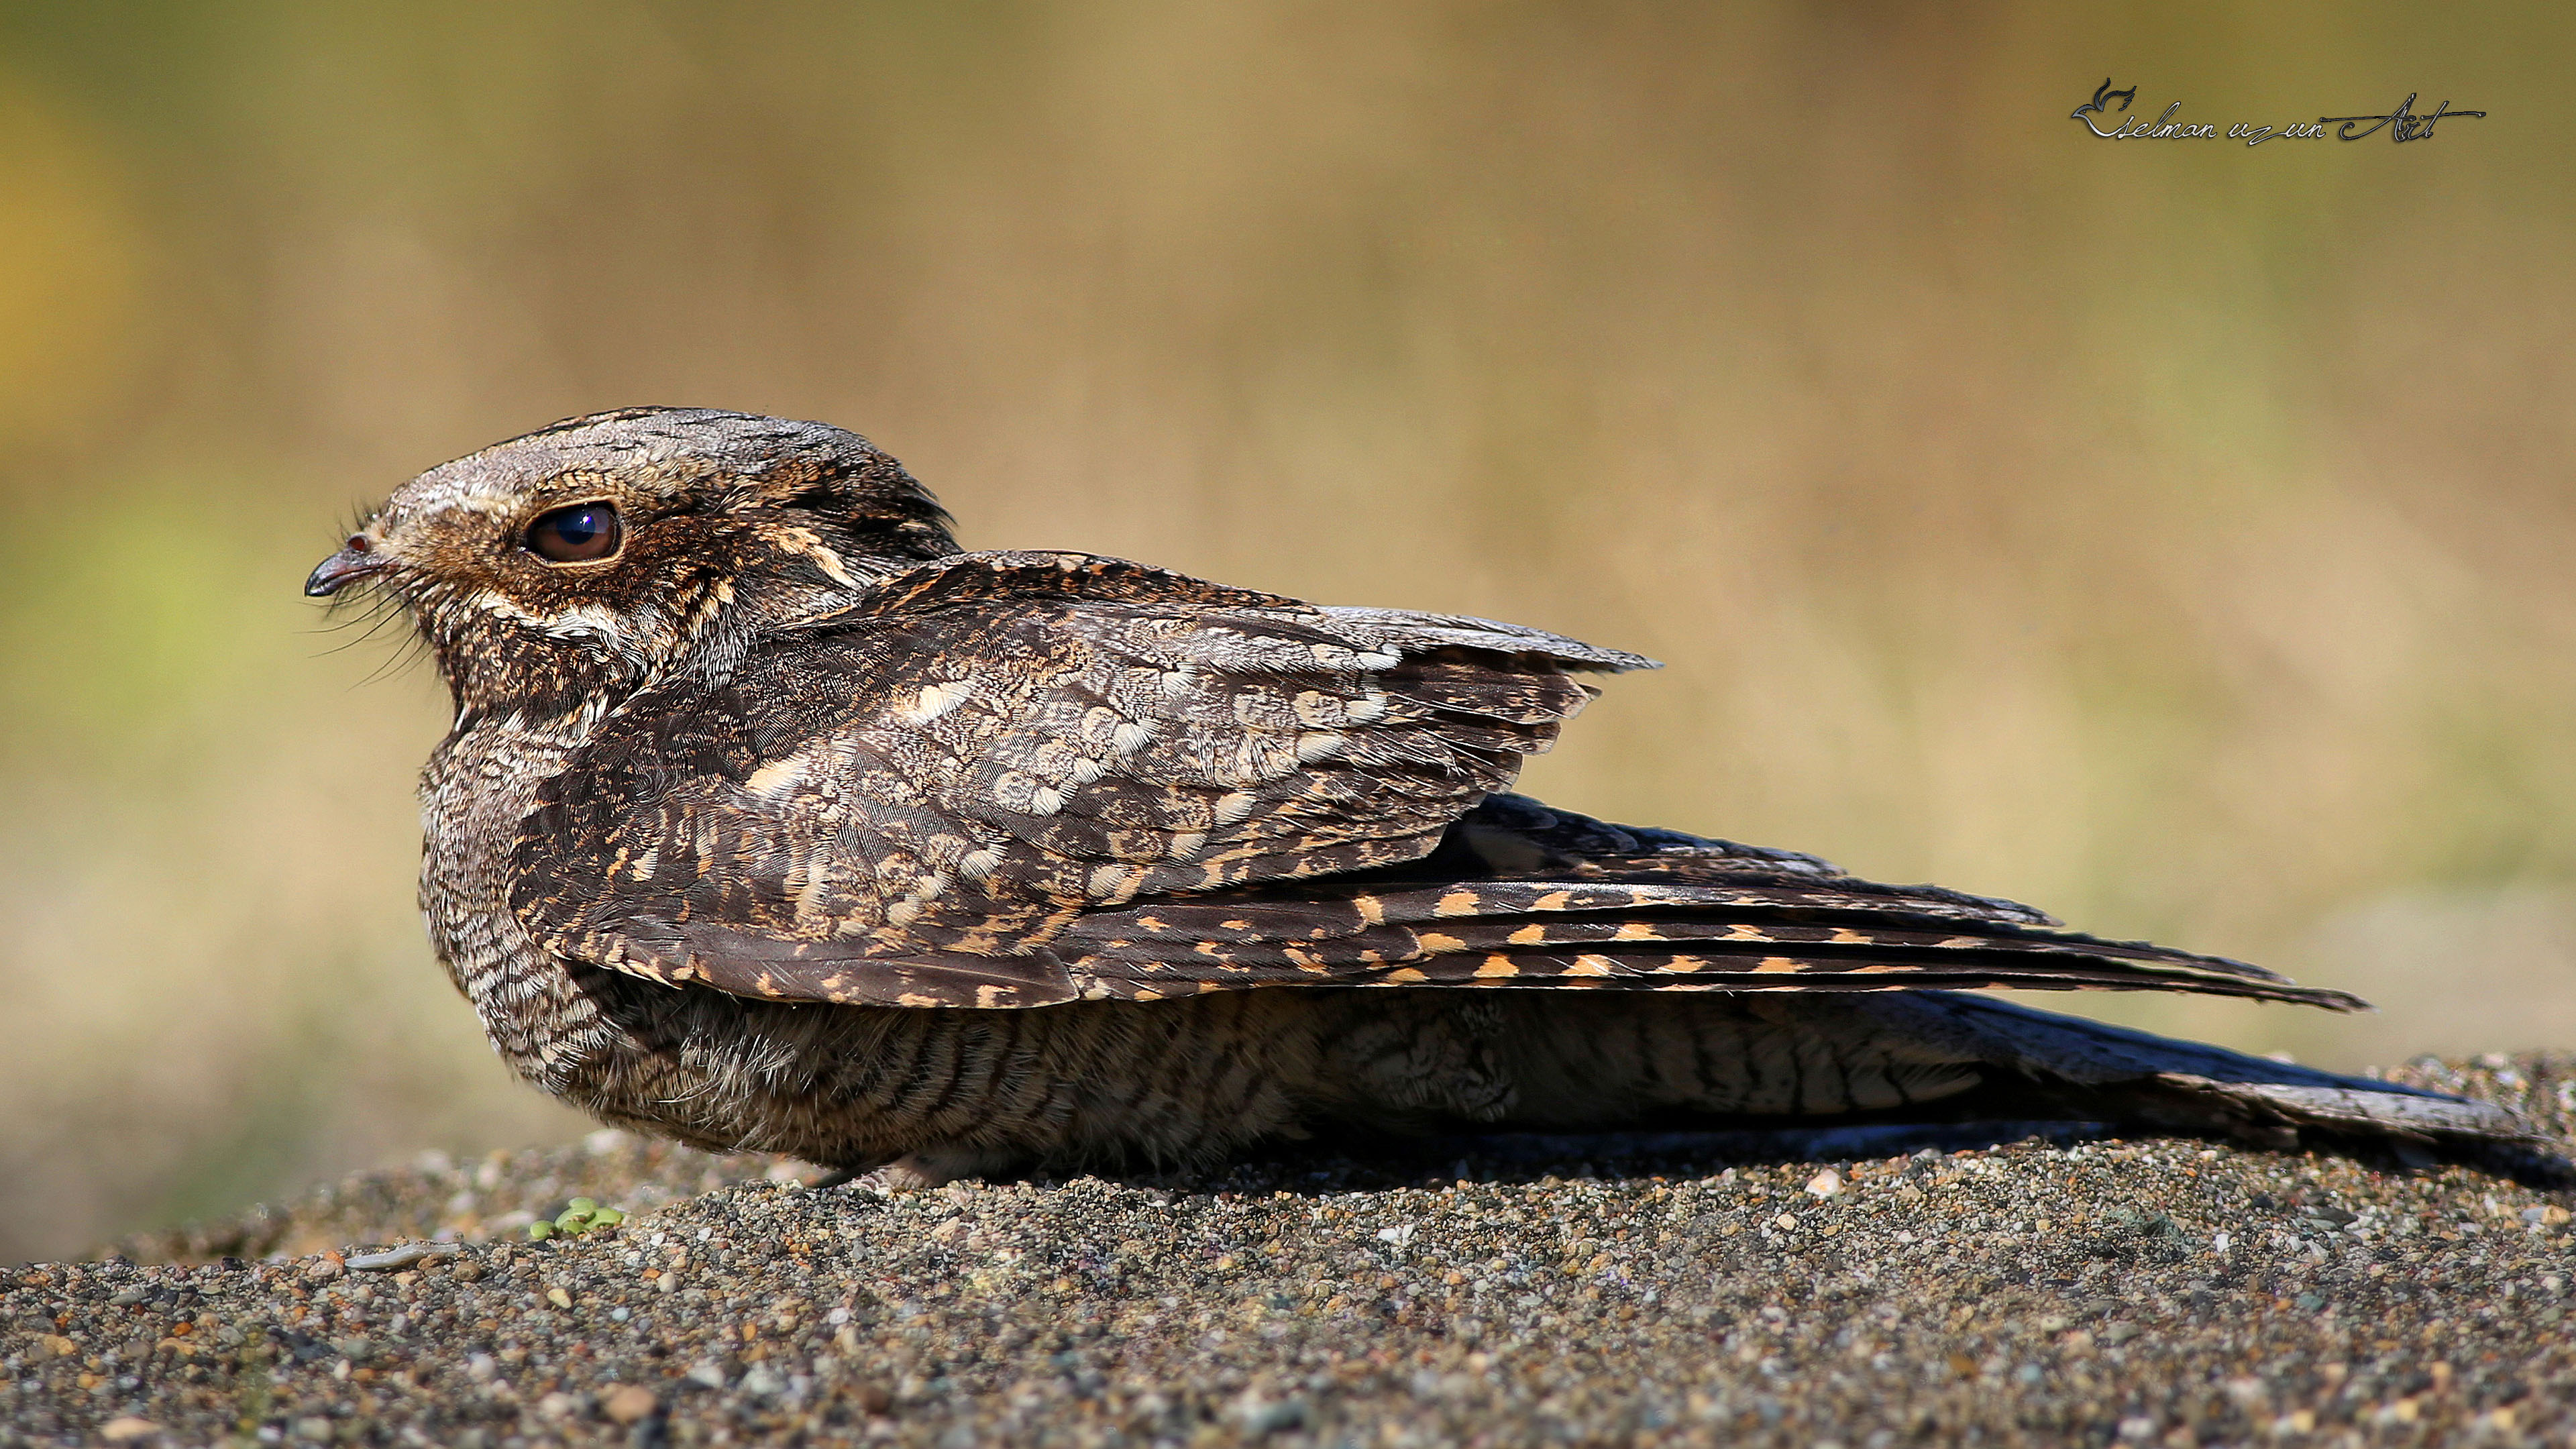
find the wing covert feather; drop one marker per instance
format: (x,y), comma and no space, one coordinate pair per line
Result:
(943,777)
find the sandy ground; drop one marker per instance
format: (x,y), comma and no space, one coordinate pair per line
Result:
(1858,1289)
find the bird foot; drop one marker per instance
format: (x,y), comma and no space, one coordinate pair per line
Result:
(936,1167)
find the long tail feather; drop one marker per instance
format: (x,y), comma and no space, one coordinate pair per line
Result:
(2135,1076)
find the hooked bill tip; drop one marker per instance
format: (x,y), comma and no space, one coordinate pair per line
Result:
(355,561)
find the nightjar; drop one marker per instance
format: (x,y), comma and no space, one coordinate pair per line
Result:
(771,819)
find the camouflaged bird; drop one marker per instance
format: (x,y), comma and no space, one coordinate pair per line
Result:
(773,820)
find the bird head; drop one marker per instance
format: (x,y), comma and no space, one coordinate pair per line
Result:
(604,552)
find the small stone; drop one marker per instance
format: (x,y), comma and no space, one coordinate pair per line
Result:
(315,1428)
(708,1375)
(325,1268)
(629,1403)
(396,1259)
(1827,1183)
(1261,1416)
(558,1298)
(126,1428)
(558,1405)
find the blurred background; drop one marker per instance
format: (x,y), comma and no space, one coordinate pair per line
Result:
(2173,534)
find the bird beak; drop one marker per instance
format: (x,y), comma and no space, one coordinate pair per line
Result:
(356,561)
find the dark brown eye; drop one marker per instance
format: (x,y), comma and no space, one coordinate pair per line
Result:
(579,534)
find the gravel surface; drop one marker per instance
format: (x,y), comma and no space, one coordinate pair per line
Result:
(1855,1288)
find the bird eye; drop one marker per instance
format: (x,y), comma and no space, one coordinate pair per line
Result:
(580,534)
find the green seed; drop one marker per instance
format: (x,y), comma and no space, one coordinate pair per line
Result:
(540,1230)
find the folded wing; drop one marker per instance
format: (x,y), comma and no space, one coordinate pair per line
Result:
(1011,780)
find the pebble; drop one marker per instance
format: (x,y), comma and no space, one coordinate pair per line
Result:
(393,1259)
(628,1403)
(1677,1289)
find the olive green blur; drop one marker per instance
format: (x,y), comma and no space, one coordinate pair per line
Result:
(2174,534)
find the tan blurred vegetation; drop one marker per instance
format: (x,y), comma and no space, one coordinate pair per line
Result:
(2171,534)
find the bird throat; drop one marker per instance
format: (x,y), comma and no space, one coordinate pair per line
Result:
(478,786)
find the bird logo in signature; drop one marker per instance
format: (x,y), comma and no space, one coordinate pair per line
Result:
(2103,93)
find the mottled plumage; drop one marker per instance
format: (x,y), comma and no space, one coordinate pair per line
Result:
(771,819)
